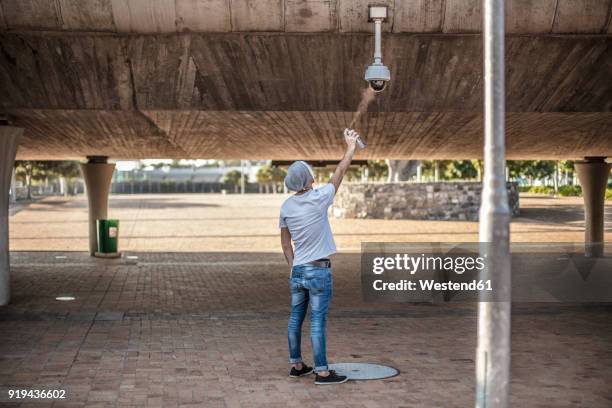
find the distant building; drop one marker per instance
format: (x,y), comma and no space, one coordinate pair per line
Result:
(180,174)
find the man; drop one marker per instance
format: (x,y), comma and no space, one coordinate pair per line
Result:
(303,220)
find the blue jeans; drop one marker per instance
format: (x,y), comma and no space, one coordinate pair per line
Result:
(309,284)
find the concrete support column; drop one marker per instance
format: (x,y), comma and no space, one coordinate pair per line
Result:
(97,173)
(593,174)
(8,149)
(13,186)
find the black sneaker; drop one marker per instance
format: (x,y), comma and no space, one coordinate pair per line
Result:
(300,373)
(332,378)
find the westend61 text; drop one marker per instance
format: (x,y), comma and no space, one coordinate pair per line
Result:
(429,284)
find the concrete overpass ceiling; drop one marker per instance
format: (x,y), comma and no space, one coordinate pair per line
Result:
(321,72)
(412,16)
(287,135)
(278,79)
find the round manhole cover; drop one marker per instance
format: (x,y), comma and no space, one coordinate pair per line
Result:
(364,371)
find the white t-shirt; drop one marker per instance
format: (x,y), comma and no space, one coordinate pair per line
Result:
(306,217)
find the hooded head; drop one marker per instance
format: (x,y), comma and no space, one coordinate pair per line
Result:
(299,176)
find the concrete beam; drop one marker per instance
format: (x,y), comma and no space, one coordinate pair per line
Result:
(97,173)
(534,16)
(462,16)
(31,14)
(203,15)
(9,137)
(593,174)
(295,72)
(195,95)
(309,135)
(581,16)
(405,16)
(354,16)
(307,16)
(257,15)
(144,16)
(2,19)
(86,15)
(420,16)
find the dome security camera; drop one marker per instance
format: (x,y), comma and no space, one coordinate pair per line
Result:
(377,74)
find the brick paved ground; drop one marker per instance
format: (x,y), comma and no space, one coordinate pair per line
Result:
(208,328)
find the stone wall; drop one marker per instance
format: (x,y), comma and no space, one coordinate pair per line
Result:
(418,201)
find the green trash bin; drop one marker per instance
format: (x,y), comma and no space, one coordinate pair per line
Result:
(108,236)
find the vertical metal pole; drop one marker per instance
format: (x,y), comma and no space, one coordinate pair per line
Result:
(377,41)
(493,352)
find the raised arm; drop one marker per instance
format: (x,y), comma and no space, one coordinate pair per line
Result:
(350,138)
(286,245)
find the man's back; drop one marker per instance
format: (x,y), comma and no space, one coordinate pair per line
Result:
(305,216)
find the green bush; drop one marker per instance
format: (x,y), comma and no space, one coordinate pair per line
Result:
(564,191)
(570,191)
(542,190)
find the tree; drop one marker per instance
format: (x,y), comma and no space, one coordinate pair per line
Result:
(400,170)
(567,167)
(233,177)
(353,173)
(460,169)
(278,177)
(516,168)
(428,168)
(176,164)
(323,174)
(68,169)
(65,170)
(30,170)
(378,170)
(531,169)
(541,169)
(264,176)
(479,166)
(36,170)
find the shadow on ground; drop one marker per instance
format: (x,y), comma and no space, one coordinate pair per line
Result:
(56,204)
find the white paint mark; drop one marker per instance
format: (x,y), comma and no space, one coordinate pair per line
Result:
(65,298)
